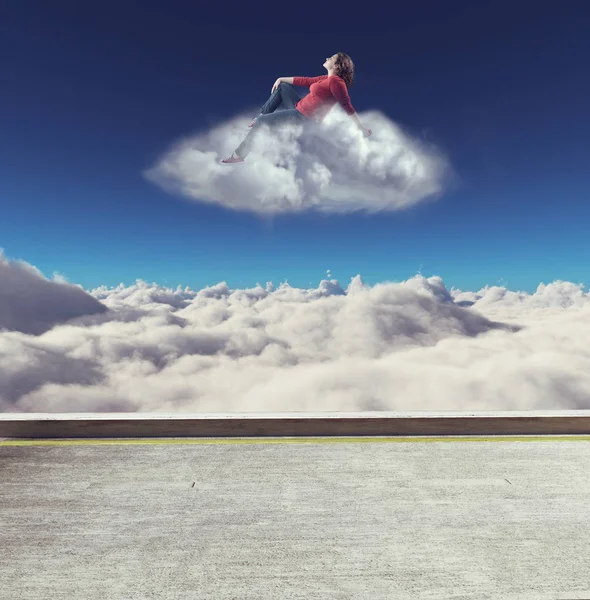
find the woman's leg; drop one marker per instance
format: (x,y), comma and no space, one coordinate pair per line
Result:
(285,96)
(289,115)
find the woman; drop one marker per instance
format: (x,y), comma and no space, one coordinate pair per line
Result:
(324,92)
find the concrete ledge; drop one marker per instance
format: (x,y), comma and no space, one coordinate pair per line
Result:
(420,423)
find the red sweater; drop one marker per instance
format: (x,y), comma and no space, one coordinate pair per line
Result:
(324,92)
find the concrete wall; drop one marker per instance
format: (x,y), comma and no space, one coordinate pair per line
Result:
(140,425)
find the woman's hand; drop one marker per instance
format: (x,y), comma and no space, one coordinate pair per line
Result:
(367,132)
(276,84)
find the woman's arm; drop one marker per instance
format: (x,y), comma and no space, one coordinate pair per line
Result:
(280,80)
(340,92)
(366,132)
(305,81)
(299,81)
(355,118)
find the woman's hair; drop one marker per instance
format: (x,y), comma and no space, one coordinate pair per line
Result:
(345,68)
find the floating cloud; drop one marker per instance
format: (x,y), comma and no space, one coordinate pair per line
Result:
(392,346)
(330,168)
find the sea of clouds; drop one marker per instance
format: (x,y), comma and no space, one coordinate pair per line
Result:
(401,346)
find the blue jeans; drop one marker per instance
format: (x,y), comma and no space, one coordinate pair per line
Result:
(278,109)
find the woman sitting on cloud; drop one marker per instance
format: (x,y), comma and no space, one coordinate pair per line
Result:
(324,92)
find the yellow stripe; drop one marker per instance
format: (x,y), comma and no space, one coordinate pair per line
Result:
(290,440)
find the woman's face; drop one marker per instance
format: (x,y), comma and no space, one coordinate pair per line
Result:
(331,62)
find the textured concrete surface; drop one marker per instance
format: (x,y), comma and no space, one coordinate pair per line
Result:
(324,519)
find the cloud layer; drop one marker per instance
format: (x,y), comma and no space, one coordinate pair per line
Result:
(412,345)
(330,168)
(32,304)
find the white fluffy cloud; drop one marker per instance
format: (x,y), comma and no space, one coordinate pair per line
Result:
(32,304)
(331,168)
(411,345)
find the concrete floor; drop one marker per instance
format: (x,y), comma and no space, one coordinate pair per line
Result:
(415,520)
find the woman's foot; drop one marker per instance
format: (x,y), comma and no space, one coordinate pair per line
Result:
(234,158)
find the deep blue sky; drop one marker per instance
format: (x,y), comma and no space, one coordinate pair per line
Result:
(93,93)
